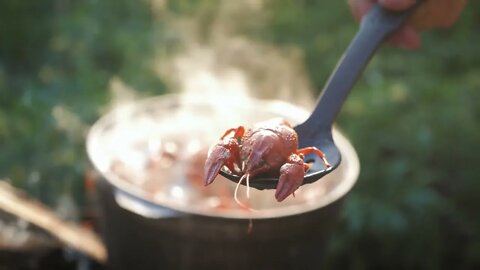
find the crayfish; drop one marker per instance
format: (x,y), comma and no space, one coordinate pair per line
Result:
(271,148)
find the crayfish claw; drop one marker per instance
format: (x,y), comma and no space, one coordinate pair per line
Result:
(215,161)
(291,177)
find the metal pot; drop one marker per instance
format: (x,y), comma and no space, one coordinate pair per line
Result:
(161,219)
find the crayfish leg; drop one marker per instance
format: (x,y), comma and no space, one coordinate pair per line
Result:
(237,133)
(316,151)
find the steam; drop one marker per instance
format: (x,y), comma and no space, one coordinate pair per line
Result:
(120,92)
(213,63)
(220,62)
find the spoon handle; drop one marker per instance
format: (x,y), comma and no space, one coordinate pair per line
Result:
(374,29)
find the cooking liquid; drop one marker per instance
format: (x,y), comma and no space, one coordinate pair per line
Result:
(156,150)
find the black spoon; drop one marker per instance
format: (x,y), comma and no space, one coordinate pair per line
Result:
(316,131)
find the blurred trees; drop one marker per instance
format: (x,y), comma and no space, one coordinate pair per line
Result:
(414,119)
(56,60)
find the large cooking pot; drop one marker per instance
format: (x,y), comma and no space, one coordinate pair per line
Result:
(156,215)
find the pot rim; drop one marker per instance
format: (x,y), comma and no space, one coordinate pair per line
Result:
(136,193)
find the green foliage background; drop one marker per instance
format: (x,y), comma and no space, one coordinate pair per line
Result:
(414,117)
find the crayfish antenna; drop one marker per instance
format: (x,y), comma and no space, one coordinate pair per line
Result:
(248,179)
(244,206)
(235,194)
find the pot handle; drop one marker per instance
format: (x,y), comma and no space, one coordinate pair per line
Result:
(142,207)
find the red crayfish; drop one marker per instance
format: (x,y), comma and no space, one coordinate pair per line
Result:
(270,148)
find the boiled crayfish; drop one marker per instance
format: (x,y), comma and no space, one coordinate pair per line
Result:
(271,148)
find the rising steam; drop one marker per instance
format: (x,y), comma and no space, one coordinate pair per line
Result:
(221,62)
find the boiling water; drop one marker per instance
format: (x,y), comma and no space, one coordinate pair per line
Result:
(156,149)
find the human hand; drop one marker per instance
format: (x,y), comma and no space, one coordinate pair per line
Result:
(430,14)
